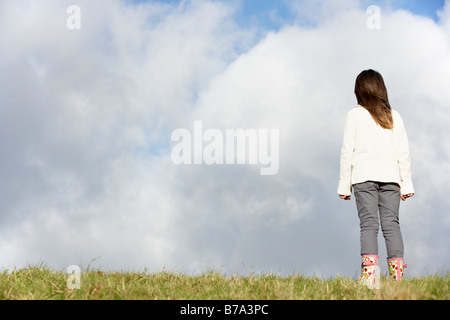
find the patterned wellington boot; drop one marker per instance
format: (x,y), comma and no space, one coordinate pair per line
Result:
(396,267)
(370,274)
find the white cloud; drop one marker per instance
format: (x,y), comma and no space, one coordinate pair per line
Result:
(90,112)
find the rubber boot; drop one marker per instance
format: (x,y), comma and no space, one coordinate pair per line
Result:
(370,274)
(396,267)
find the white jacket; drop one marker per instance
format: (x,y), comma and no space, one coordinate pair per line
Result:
(371,153)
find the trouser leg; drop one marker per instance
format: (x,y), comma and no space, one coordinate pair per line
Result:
(389,204)
(366,197)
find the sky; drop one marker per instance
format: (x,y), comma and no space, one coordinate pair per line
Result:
(89,104)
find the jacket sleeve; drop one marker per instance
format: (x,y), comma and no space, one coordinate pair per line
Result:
(348,146)
(404,159)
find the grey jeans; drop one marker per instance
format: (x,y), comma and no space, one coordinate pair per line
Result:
(379,203)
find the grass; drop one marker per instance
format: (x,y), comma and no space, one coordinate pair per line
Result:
(42,283)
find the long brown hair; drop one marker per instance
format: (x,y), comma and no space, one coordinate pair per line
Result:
(371,93)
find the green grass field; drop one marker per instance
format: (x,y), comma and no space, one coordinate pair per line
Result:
(42,283)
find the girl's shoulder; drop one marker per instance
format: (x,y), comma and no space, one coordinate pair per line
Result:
(358,111)
(396,115)
(398,121)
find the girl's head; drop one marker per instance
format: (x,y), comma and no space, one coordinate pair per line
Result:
(371,93)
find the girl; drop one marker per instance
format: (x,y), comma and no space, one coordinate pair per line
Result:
(375,163)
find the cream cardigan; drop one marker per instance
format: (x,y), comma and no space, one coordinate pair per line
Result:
(371,153)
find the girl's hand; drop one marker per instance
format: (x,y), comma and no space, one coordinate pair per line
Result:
(406,196)
(344,197)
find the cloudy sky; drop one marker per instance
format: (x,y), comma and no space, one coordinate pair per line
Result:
(87,115)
